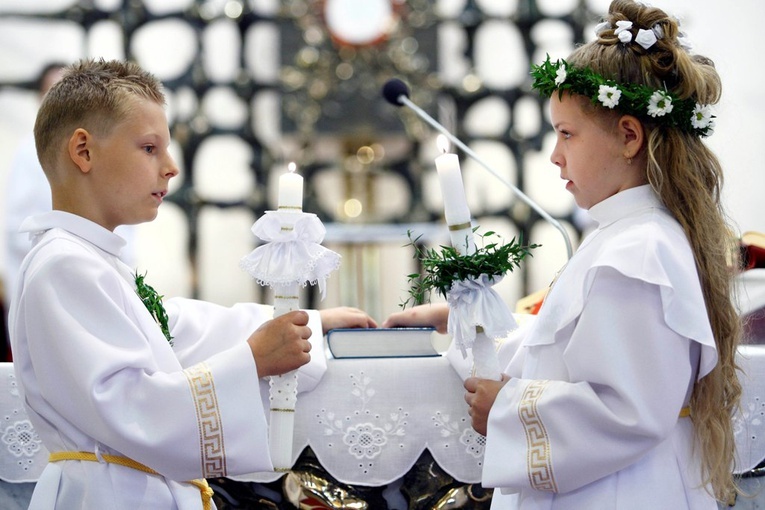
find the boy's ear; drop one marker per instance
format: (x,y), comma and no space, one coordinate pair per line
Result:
(79,147)
(632,134)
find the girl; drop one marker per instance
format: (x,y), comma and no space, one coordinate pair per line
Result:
(620,394)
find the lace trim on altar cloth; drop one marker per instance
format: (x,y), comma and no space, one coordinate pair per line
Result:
(22,454)
(365,434)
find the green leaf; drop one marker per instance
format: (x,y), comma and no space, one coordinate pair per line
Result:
(442,268)
(153,303)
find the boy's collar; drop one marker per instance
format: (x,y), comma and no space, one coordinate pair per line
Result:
(77,225)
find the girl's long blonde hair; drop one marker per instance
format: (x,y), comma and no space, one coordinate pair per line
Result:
(688,178)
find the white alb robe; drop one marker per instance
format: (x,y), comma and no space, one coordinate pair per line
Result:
(589,419)
(98,375)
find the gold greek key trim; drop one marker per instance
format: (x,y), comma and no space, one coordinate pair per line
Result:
(538,454)
(282,410)
(459,226)
(211,444)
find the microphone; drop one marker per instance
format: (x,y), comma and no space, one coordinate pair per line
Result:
(396,93)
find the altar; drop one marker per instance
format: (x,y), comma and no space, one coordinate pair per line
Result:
(368,421)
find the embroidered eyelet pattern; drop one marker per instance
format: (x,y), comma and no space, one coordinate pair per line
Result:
(364,433)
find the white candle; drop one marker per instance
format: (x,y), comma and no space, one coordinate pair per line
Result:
(456,210)
(291,190)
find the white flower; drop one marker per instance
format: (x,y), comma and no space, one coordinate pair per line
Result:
(702,116)
(623,31)
(602,27)
(609,96)
(711,127)
(659,104)
(560,75)
(645,38)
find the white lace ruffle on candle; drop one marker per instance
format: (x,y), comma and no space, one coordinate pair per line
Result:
(474,303)
(291,254)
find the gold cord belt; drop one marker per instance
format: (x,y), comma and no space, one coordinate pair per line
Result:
(200,484)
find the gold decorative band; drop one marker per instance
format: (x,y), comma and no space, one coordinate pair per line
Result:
(460,226)
(685,412)
(291,208)
(211,439)
(286,297)
(281,410)
(282,470)
(287,228)
(539,463)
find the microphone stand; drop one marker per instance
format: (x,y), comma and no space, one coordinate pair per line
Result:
(403,99)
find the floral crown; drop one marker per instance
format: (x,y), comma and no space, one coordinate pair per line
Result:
(661,106)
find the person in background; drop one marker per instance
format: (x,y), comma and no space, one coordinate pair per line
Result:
(26,192)
(137,399)
(620,393)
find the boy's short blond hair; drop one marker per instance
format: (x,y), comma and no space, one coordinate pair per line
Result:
(93,94)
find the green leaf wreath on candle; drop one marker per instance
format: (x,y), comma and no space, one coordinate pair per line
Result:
(441,268)
(153,303)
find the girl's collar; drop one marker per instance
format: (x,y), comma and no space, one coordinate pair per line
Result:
(624,204)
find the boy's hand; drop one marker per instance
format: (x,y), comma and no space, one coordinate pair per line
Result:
(434,315)
(345,317)
(281,344)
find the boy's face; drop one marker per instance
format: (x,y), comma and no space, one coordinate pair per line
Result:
(131,167)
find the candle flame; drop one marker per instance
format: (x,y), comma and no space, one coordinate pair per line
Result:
(291,167)
(442,143)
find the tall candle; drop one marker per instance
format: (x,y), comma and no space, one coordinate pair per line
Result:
(456,210)
(291,190)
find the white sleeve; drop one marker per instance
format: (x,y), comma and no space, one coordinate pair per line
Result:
(97,375)
(628,377)
(201,329)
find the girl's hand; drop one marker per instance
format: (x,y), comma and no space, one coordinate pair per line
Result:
(480,396)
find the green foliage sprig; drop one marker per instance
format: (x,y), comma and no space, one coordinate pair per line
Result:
(441,268)
(153,303)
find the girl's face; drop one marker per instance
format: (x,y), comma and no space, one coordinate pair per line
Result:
(590,152)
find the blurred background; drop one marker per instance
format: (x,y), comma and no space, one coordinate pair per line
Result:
(254,85)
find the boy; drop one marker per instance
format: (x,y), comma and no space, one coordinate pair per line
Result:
(132,412)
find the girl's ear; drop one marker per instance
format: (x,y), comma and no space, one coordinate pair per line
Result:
(79,149)
(631,131)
